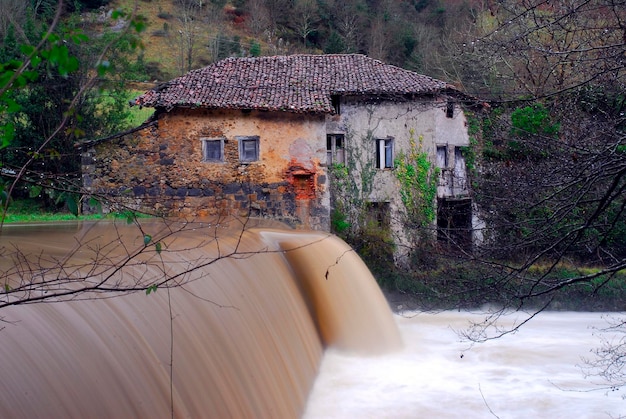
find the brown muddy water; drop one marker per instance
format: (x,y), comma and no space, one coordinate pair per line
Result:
(235,328)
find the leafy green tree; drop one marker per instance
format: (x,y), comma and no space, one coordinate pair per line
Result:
(335,44)
(53,93)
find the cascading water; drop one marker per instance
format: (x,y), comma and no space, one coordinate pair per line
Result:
(237,330)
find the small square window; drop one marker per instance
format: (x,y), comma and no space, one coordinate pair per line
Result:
(384,153)
(248,148)
(212,149)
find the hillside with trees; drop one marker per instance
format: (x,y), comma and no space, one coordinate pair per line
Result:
(412,34)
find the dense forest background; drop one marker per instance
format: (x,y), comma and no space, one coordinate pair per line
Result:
(548,154)
(413,34)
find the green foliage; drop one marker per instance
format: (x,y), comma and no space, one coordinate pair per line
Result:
(529,126)
(418,183)
(527,122)
(130,216)
(434,281)
(351,184)
(376,247)
(34,210)
(335,44)
(95,203)
(71,201)
(533,120)
(341,183)
(255,49)
(44,107)
(339,223)
(45,192)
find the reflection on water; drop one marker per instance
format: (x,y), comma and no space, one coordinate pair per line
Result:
(534,373)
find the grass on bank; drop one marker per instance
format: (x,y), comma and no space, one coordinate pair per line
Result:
(453,284)
(434,281)
(30,211)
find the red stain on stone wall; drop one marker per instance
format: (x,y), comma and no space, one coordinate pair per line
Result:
(302,180)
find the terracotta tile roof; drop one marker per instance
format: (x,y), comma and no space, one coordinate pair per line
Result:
(295,83)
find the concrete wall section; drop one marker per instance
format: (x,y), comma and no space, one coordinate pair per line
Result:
(363,123)
(427,120)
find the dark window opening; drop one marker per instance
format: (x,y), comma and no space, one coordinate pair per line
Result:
(454,223)
(378,214)
(336,102)
(450,109)
(384,153)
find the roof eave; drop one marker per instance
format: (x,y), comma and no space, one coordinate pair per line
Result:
(291,109)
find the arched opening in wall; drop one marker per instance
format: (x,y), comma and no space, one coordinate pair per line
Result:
(454,223)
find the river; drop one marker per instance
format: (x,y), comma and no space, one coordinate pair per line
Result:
(256,323)
(534,373)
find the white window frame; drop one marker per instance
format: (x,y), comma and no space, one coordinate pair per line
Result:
(384,153)
(335,149)
(205,149)
(243,140)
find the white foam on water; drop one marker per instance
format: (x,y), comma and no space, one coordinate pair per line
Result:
(534,373)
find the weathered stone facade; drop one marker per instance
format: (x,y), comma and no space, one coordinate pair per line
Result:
(161,170)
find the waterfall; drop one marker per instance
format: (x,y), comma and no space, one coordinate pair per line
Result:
(241,333)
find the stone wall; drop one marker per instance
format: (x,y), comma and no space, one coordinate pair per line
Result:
(160,170)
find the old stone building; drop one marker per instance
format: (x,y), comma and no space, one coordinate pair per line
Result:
(259,136)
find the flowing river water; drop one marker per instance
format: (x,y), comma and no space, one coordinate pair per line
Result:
(538,372)
(247,321)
